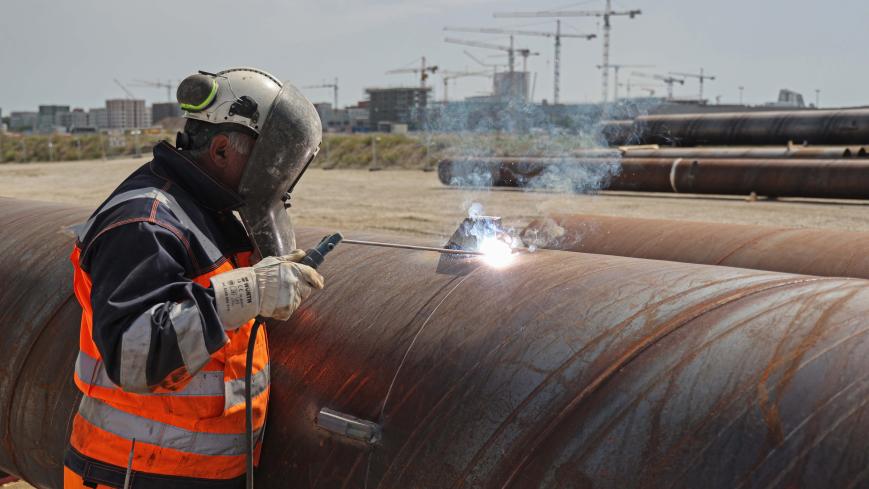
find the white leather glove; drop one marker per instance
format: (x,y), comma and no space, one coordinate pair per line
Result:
(272,288)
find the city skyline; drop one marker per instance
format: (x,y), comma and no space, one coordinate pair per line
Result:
(83,46)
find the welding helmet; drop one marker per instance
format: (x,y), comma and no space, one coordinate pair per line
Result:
(239,96)
(288,133)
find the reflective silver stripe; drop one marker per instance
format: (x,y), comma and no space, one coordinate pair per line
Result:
(191,335)
(135,345)
(91,370)
(145,430)
(204,383)
(210,248)
(169,201)
(259,382)
(142,193)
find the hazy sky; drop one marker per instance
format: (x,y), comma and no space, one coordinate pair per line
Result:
(69,51)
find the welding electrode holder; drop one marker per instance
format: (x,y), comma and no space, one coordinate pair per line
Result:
(314,257)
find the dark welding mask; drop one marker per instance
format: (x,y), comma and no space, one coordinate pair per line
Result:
(288,131)
(289,139)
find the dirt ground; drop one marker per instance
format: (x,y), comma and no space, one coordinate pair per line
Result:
(415,202)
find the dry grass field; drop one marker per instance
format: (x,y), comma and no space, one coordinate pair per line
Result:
(413,202)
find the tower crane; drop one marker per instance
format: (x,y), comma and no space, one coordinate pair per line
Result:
(669,80)
(700,77)
(557,35)
(453,75)
(494,66)
(616,68)
(333,86)
(511,51)
(424,70)
(156,84)
(606,14)
(127,91)
(647,87)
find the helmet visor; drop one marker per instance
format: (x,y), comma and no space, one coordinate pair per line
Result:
(289,140)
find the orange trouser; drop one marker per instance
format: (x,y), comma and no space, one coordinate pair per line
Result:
(71,480)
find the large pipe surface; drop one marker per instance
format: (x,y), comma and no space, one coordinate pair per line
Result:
(843,179)
(745,152)
(821,252)
(846,126)
(727,152)
(563,370)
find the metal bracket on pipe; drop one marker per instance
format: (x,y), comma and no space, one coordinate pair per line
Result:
(348,426)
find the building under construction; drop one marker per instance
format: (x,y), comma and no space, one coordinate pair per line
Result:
(400,105)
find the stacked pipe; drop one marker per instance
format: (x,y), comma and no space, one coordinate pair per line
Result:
(727,152)
(744,152)
(842,178)
(821,252)
(816,127)
(563,370)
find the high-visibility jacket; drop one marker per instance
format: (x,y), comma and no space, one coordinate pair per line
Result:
(155,363)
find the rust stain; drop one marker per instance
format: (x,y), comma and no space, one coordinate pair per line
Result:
(480,371)
(829,253)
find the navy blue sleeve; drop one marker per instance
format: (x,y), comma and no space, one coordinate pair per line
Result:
(152,324)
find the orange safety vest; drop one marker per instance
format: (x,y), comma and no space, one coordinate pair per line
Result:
(195,428)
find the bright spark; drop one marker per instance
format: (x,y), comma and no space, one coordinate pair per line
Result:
(497,253)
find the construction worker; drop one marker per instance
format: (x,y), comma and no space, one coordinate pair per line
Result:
(163,272)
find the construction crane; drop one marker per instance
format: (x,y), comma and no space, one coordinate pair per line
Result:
(453,75)
(606,14)
(700,77)
(511,51)
(557,35)
(649,88)
(130,95)
(616,68)
(669,80)
(333,86)
(424,70)
(156,84)
(494,66)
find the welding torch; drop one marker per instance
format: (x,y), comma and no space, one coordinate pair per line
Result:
(446,251)
(314,257)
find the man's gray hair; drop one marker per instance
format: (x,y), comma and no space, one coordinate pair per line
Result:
(201,134)
(242,145)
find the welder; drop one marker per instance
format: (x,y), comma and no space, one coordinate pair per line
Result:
(169,287)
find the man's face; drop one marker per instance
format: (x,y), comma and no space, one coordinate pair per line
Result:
(229,157)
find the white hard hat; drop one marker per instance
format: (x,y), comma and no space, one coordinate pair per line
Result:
(241,96)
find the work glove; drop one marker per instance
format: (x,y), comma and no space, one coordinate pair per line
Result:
(273,288)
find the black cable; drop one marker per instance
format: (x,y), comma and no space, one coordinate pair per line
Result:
(248,407)
(313,258)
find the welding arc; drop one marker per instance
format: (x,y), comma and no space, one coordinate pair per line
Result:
(412,247)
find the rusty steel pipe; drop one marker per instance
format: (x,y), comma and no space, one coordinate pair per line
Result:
(725,152)
(748,152)
(831,127)
(842,179)
(563,370)
(821,252)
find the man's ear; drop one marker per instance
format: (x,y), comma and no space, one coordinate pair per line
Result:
(217,150)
